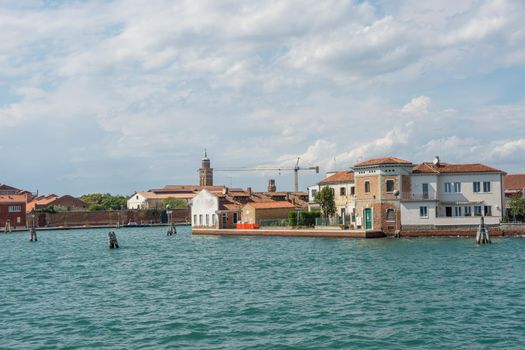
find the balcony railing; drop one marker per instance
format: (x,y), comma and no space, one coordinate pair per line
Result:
(418,196)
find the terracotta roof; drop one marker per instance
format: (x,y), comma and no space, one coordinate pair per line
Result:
(152,195)
(271,205)
(383,161)
(340,176)
(13,198)
(229,206)
(514,182)
(4,187)
(187,188)
(445,168)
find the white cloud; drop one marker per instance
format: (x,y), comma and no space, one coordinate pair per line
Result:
(418,105)
(260,82)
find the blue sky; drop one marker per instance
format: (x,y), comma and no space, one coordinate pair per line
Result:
(119,96)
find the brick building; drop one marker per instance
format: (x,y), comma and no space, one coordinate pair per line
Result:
(59,203)
(378,184)
(13,210)
(256,212)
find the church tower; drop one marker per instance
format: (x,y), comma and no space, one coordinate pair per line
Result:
(206,172)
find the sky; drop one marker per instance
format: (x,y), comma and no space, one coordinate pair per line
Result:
(123,96)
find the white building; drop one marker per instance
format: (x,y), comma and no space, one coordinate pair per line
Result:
(204,208)
(442,194)
(151,200)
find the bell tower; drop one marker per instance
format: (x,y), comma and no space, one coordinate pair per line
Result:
(206,172)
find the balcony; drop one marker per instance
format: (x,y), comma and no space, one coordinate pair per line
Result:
(407,196)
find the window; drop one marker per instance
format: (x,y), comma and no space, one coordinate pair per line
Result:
(486,186)
(314,193)
(200,219)
(425,190)
(234,218)
(367,186)
(457,211)
(224,218)
(332,191)
(477,210)
(18,219)
(390,185)
(448,211)
(14,208)
(137,197)
(423,212)
(488,210)
(342,191)
(207,220)
(352,190)
(457,187)
(213,219)
(194,219)
(448,187)
(468,211)
(476,187)
(390,215)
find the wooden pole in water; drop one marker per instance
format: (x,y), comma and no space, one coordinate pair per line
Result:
(32,230)
(112,240)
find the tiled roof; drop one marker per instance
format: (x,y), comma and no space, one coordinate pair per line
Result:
(445,168)
(340,176)
(514,182)
(13,198)
(271,205)
(188,188)
(383,161)
(4,187)
(152,195)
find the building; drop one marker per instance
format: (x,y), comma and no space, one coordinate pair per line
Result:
(154,198)
(261,212)
(59,203)
(13,210)
(224,209)
(378,183)
(206,171)
(514,185)
(441,195)
(341,183)
(8,190)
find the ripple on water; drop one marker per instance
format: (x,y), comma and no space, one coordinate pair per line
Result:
(69,290)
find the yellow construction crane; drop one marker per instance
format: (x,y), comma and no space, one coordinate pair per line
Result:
(295,169)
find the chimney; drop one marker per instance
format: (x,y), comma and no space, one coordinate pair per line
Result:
(436,161)
(249,190)
(225,190)
(271,186)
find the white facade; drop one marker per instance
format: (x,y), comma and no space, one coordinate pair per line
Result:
(204,207)
(453,199)
(137,201)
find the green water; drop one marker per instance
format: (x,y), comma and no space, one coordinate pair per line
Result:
(69,291)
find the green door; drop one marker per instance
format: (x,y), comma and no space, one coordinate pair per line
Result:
(368,219)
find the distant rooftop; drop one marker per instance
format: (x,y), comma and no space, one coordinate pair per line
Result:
(383,161)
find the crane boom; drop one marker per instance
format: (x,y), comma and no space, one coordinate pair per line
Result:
(295,169)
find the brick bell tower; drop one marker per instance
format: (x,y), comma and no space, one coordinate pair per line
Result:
(206,172)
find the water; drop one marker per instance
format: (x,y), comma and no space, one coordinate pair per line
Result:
(69,291)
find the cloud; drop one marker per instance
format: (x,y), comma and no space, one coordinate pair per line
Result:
(148,84)
(418,105)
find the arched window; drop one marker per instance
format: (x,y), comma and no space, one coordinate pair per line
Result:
(390,215)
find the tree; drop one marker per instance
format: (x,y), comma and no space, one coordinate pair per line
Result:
(517,205)
(99,201)
(175,203)
(325,199)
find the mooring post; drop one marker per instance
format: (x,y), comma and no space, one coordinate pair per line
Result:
(7,227)
(172,230)
(112,240)
(32,235)
(482,236)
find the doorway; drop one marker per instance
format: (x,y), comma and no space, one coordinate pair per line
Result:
(368,218)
